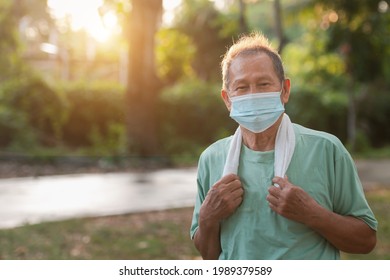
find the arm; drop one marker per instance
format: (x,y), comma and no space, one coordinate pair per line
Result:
(347,233)
(221,202)
(207,238)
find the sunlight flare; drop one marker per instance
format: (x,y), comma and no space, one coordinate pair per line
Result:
(84,15)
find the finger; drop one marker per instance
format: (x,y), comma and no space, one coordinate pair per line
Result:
(274,191)
(234,185)
(279,182)
(238,193)
(239,198)
(273,207)
(226,180)
(229,178)
(237,202)
(272,199)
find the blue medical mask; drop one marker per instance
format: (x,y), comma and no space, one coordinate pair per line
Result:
(256,111)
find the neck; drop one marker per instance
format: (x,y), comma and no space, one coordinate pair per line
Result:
(263,141)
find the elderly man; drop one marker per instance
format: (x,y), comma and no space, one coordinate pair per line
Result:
(275,190)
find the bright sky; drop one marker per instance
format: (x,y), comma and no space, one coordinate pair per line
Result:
(84,14)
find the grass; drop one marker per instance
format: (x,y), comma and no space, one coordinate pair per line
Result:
(379,201)
(373,153)
(141,236)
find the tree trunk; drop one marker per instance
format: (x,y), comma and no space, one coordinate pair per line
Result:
(242,21)
(143,85)
(279,26)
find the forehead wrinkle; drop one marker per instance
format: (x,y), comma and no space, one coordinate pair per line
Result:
(244,67)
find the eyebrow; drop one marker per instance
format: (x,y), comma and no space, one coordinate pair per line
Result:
(262,77)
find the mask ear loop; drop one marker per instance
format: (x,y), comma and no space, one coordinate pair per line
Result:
(281,92)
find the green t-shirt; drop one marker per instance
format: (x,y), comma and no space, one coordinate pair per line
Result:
(320,165)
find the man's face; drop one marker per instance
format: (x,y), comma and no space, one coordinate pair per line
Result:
(253,74)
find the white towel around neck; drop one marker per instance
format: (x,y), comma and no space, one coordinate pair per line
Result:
(284,149)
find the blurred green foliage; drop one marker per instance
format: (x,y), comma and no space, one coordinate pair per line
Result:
(31,112)
(94,112)
(204,25)
(330,44)
(192,116)
(10,59)
(175,53)
(34,114)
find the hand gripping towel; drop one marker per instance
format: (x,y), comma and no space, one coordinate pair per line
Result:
(284,149)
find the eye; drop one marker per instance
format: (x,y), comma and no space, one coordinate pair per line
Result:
(241,88)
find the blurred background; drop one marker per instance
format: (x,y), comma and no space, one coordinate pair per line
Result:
(111,84)
(122,78)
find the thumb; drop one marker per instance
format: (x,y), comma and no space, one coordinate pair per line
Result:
(278,182)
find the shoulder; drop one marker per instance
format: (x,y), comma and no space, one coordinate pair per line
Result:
(319,141)
(216,151)
(211,163)
(307,134)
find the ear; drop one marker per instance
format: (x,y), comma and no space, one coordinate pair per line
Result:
(226,99)
(286,91)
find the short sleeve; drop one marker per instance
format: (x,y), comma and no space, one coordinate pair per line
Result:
(349,197)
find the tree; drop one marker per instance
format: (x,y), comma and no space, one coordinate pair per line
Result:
(357,35)
(265,16)
(9,43)
(242,19)
(174,54)
(360,33)
(203,23)
(143,84)
(279,25)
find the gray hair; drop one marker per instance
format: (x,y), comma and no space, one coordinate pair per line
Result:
(252,44)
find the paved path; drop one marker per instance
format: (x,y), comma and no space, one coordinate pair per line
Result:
(33,200)
(374,173)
